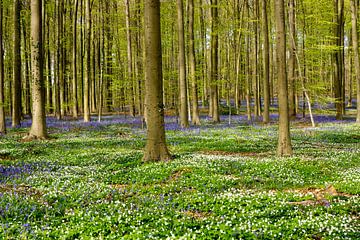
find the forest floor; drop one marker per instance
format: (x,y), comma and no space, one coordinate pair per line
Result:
(225,182)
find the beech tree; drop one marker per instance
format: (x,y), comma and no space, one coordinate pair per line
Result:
(156,149)
(355,45)
(38,126)
(192,63)
(2,77)
(284,141)
(16,85)
(184,118)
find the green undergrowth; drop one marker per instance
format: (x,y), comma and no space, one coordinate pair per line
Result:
(223,183)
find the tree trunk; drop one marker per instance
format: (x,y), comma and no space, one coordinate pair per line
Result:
(355,43)
(284,141)
(266,60)
(156,149)
(27,94)
(292,59)
(184,122)
(130,59)
(74,59)
(16,86)
(339,59)
(38,127)
(214,61)
(2,76)
(87,62)
(192,62)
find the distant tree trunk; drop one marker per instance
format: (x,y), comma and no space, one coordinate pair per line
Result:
(49,103)
(292,59)
(2,76)
(87,62)
(248,70)
(214,61)
(339,59)
(266,59)
(27,109)
(255,62)
(192,62)
(284,141)
(38,127)
(61,58)
(355,43)
(16,86)
(139,58)
(74,59)
(156,149)
(184,122)
(130,59)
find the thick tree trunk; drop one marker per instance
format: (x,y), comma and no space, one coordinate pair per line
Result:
(355,43)
(284,141)
(156,149)
(192,62)
(38,127)
(266,60)
(2,76)
(16,85)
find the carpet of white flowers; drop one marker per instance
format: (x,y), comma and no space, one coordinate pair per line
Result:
(88,181)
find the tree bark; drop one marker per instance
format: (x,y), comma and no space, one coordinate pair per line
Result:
(192,62)
(87,62)
(292,59)
(266,62)
(2,76)
(355,43)
(74,59)
(214,61)
(16,86)
(156,149)
(284,141)
(38,127)
(184,118)
(130,71)
(339,59)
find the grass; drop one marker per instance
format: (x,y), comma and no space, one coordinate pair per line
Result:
(88,182)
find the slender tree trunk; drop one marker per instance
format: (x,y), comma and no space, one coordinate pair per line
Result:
(214,61)
(27,109)
(255,62)
(339,59)
(184,122)
(284,141)
(130,59)
(74,59)
(156,149)
(16,86)
(87,62)
(355,43)
(38,127)
(139,58)
(292,59)
(192,63)
(266,60)
(49,92)
(2,76)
